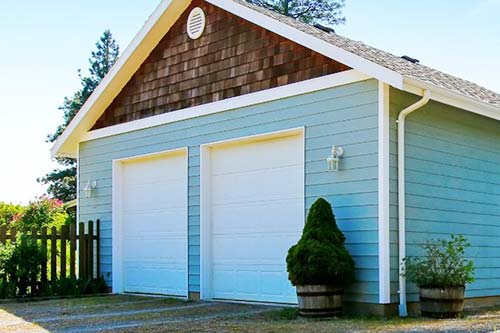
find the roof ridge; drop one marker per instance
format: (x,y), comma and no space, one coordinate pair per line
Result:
(388,60)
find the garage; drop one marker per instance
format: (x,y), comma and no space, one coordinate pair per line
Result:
(152,206)
(252,212)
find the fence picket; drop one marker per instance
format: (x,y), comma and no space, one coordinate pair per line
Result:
(44,250)
(81,251)
(64,236)
(98,248)
(86,242)
(72,250)
(90,250)
(53,254)
(3,233)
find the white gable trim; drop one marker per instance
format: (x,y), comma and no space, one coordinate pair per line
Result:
(165,15)
(294,89)
(316,44)
(448,97)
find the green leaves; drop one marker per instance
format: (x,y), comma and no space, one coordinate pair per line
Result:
(320,256)
(444,264)
(62,182)
(308,11)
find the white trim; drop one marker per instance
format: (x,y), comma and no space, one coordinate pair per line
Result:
(205,199)
(117,232)
(383,195)
(299,88)
(314,43)
(147,38)
(452,98)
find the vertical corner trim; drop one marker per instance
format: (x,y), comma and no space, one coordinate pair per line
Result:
(383,194)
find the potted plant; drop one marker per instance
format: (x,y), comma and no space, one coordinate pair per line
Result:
(441,274)
(319,265)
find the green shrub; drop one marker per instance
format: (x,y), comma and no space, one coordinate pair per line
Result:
(320,257)
(74,287)
(9,213)
(20,263)
(444,264)
(44,212)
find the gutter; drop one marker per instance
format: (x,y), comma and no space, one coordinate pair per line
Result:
(403,312)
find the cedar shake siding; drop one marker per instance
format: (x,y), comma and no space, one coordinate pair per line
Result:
(233,57)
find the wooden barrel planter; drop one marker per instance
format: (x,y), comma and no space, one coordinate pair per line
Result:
(319,301)
(442,302)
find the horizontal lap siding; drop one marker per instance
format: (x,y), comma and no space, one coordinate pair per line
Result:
(345,116)
(452,186)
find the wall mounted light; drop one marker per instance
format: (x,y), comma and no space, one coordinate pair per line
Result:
(333,160)
(87,190)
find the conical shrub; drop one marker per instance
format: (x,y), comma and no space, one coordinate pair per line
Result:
(320,257)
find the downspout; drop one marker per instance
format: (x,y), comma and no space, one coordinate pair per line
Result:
(403,312)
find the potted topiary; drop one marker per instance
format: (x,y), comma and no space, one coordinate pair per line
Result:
(441,274)
(319,265)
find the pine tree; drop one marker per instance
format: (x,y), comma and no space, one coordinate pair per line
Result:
(62,182)
(308,11)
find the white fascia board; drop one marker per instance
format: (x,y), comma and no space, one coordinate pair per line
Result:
(383,194)
(294,89)
(323,47)
(165,15)
(452,98)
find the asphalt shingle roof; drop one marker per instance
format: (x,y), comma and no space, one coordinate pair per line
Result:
(388,60)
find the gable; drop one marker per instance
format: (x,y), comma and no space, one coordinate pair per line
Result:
(233,57)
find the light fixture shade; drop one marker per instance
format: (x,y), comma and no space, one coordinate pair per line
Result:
(333,161)
(87,190)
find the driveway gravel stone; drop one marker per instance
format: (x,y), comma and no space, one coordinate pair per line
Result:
(127,314)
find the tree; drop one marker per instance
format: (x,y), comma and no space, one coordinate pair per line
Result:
(308,11)
(62,182)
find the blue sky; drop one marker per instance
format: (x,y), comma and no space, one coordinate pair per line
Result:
(44,43)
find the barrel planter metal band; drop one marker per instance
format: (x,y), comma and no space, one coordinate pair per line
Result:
(319,301)
(442,302)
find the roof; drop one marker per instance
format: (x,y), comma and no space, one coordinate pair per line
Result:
(383,66)
(388,60)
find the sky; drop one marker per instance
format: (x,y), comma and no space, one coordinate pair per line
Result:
(44,43)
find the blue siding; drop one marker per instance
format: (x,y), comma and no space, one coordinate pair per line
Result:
(452,184)
(344,115)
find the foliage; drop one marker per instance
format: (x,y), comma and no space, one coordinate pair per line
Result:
(308,11)
(20,263)
(320,257)
(74,287)
(9,213)
(444,264)
(43,212)
(62,182)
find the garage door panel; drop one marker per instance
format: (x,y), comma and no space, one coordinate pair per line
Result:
(154,225)
(152,277)
(249,156)
(259,216)
(257,213)
(256,186)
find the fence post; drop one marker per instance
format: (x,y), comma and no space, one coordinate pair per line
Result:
(3,232)
(34,277)
(53,255)
(72,250)
(44,250)
(98,248)
(81,251)
(64,236)
(13,233)
(90,250)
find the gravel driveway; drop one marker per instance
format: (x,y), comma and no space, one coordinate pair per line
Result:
(147,314)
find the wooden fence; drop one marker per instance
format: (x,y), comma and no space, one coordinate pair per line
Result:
(63,246)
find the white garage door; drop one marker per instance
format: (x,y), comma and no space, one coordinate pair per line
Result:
(154,225)
(257,194)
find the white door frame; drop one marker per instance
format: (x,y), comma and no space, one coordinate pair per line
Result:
(118,286)
(205,199)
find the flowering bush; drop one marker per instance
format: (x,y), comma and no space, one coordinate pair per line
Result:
(10,213)
(44,212)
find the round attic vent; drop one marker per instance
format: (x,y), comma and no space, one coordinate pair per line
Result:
(196,23)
